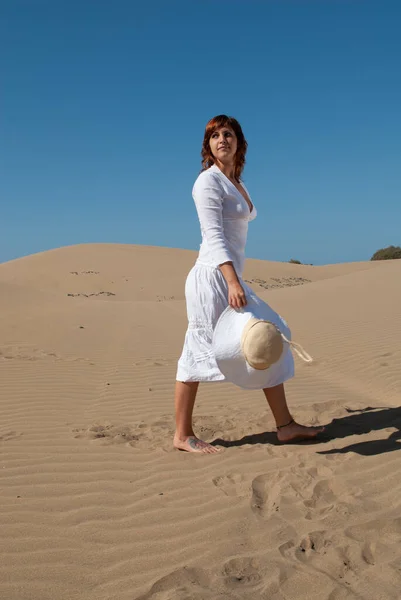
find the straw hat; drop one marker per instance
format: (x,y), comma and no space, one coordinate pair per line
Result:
(251,346)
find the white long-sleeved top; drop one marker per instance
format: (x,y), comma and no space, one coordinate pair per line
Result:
(223,215)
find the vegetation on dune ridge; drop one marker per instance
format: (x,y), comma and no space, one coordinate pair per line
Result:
(295,261)
(388,253)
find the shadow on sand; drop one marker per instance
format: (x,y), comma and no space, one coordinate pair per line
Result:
(357,422)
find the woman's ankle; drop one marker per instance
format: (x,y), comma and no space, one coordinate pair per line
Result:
(183,435)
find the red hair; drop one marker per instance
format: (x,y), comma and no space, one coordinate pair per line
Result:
(242,145)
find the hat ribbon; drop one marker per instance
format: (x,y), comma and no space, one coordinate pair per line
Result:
(301,352)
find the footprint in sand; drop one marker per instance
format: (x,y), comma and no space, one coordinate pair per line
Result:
(389,528)
(345,559)
(379,540)
(152,435)
(340,593)
(266,494)
(325,493)
(30,353)
(9,435)
(183,584)
(330,555)
(228,583)
(109,434)
(151,362)
(233,484)
(245,571)
(280,492)
(306,548)
(300,493)
(315,542)
(332,496)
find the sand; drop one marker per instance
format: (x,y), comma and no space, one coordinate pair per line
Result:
(94,502)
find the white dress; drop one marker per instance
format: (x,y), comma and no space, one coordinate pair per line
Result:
(224,215)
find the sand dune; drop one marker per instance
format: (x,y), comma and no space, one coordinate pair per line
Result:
(95,504)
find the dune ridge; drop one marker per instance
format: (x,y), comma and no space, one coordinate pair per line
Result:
(94,502)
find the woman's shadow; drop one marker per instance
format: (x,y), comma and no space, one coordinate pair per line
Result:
(357,422)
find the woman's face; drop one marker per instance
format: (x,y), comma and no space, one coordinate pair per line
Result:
(223,144)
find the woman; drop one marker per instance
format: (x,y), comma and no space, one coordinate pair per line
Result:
(224,209)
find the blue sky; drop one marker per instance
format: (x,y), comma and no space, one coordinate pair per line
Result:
(104,106)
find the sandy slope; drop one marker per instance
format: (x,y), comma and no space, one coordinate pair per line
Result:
(94,503)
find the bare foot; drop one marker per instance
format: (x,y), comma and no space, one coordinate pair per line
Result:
(294,431)
(194,444)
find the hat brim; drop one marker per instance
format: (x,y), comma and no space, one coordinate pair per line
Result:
(228,353)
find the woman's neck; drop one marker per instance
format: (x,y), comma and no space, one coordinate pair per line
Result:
(227,169)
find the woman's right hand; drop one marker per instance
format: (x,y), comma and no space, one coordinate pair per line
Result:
(236,295)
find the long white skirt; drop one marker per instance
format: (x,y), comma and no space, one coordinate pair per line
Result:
(206,296)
